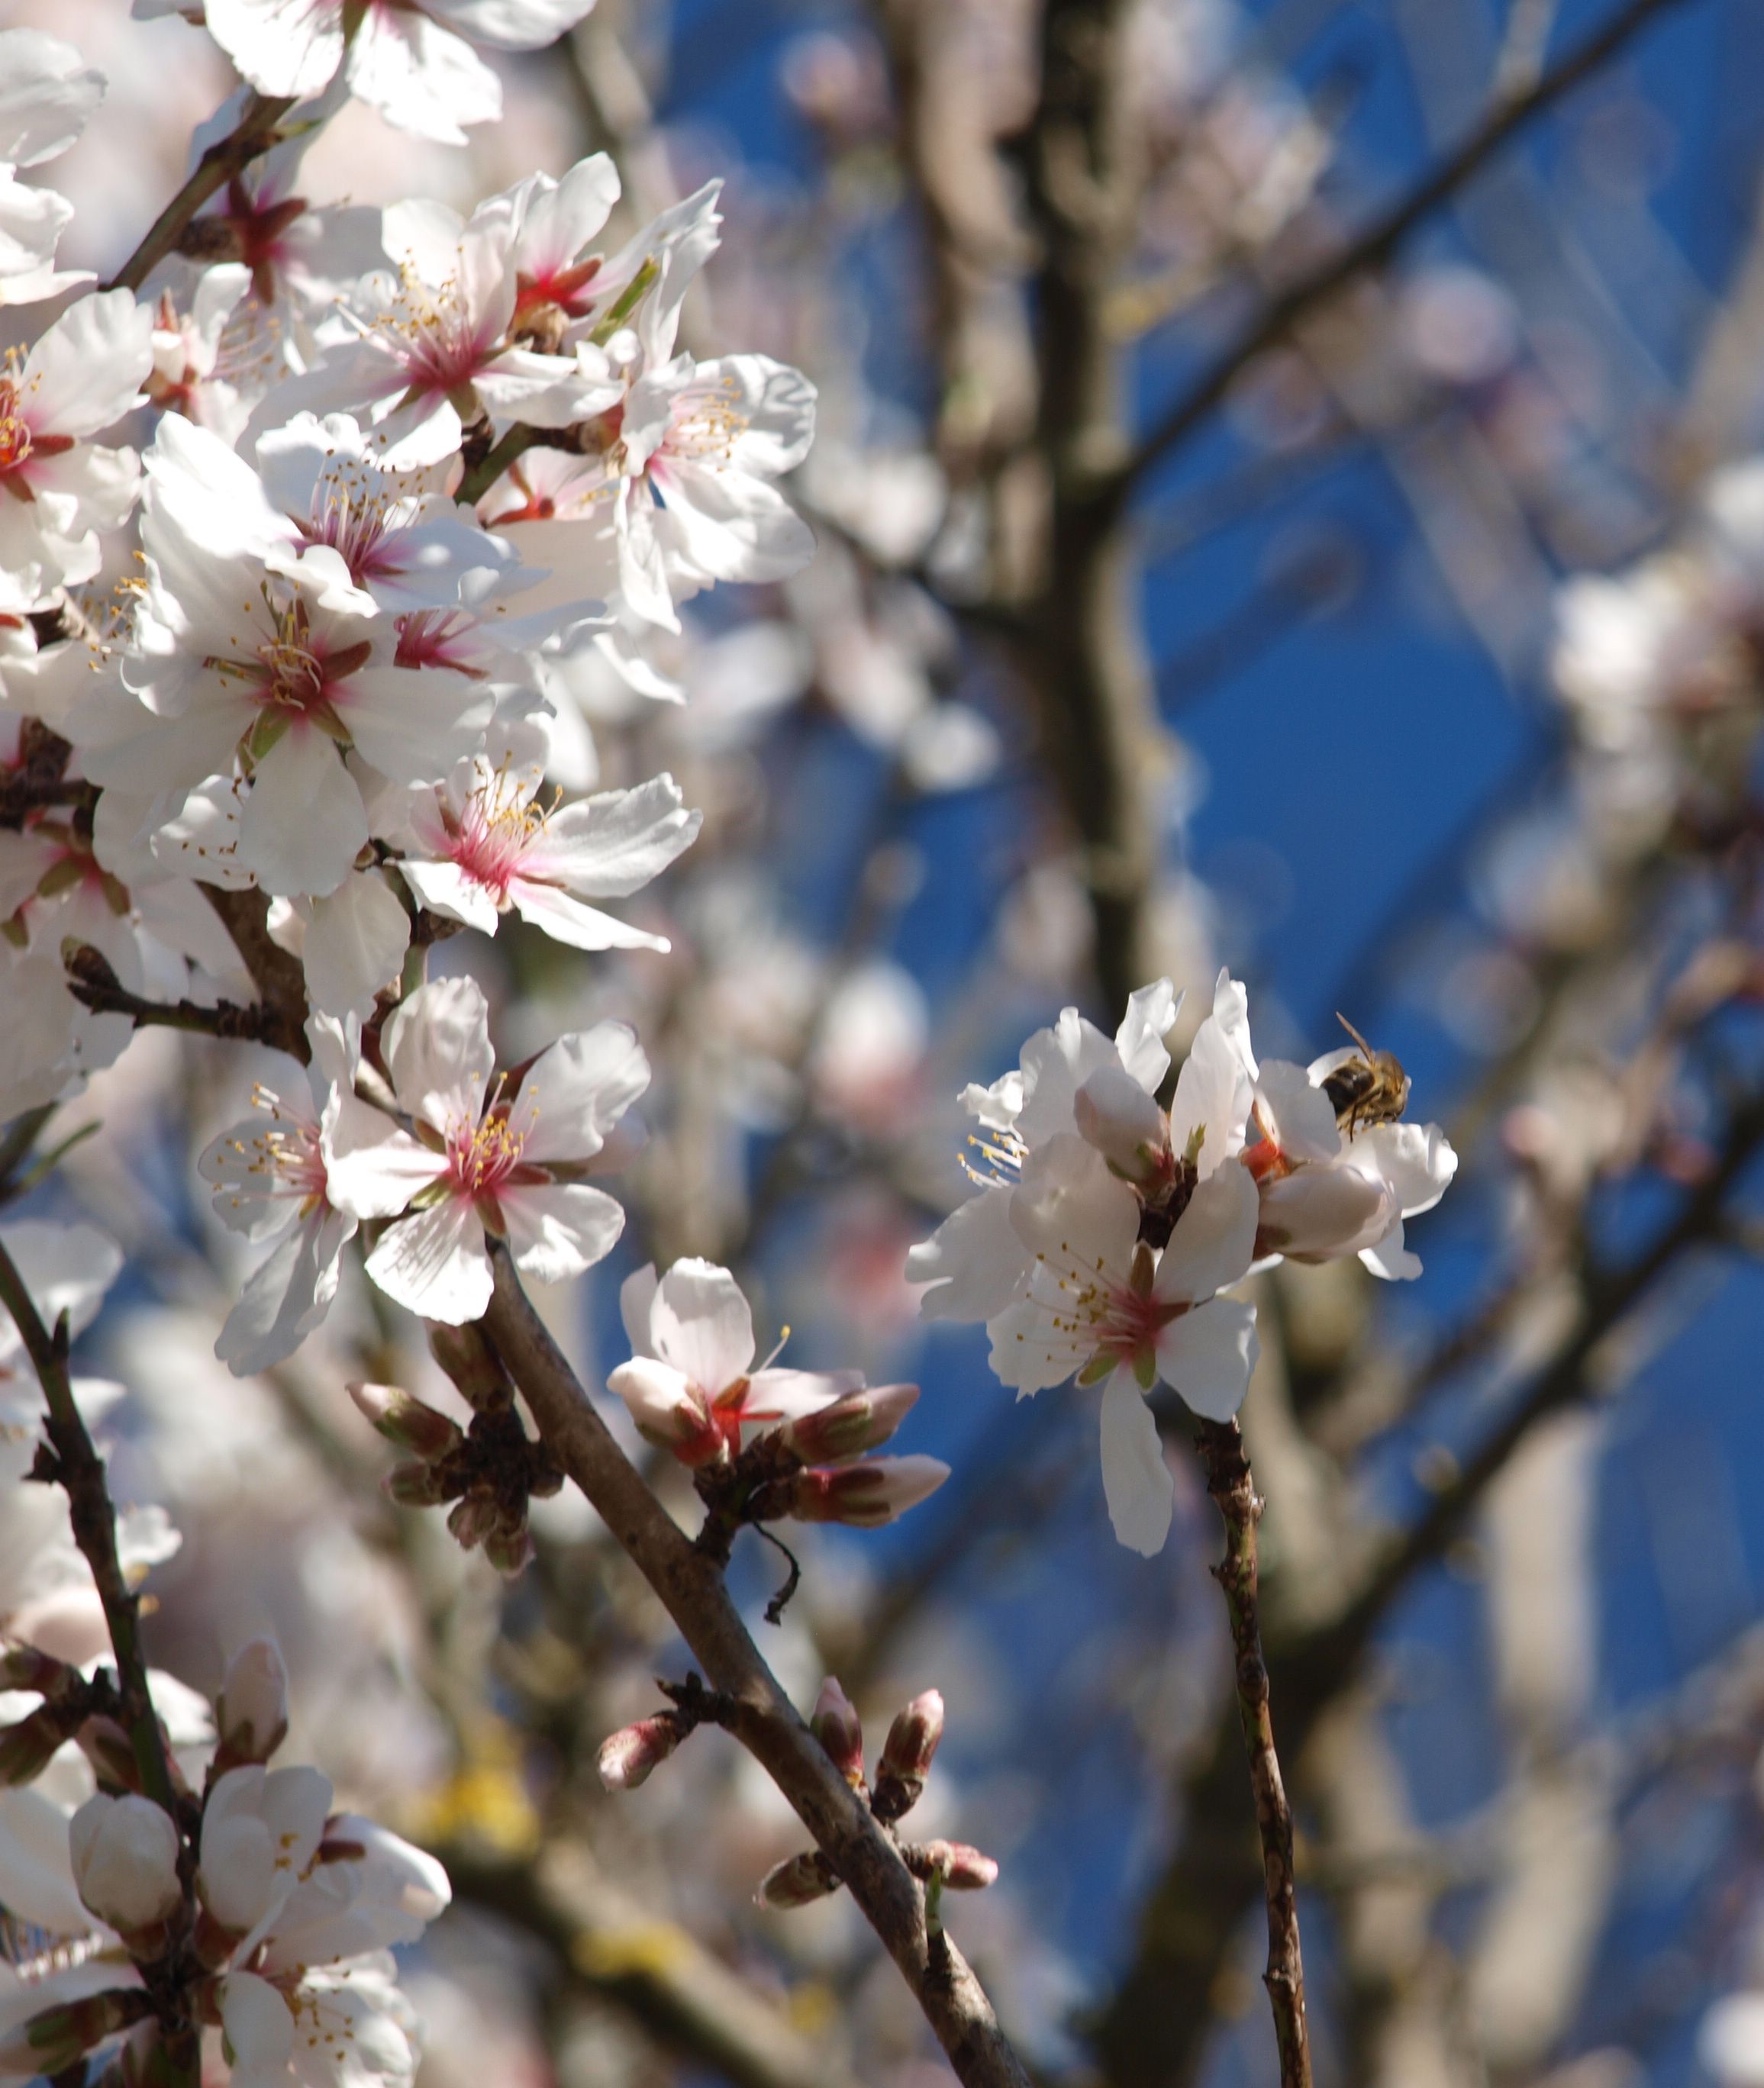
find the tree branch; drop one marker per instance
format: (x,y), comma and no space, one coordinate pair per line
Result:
(1233,1488)
(76,1467)
(253,136)
(1505,120)
(279,977)
(764,1719)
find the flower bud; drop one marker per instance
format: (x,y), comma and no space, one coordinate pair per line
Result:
(27,1748)
(835,1724)
(907,1756)
(125,1862)
(24,1668)
(669,1410)
(105,1745)
(251,1712)
(962,1867)
(862,1420)
(508,1547)
(473,1519)
(465,1354)
(797,1882)
(416,1485)
(54,2039)
(405,1422)
(627,1758)
(866,1494)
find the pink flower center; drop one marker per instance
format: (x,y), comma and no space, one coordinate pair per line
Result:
(293,669)
(482,1157)
(438,638)
(496,831)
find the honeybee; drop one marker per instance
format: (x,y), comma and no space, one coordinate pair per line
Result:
(1372,1089)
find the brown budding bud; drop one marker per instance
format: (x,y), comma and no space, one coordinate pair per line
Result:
(473,1519)
(415,1484)
(508,1547)
(797,1882)
(25,1747)
(626,1759)
(835,1724)
(405,1422)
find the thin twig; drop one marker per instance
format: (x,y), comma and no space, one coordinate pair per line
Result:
(95,986)
(251,137)
(1232,1486)
(481,476)
(1504,120)
(78,1469)
(691,1587)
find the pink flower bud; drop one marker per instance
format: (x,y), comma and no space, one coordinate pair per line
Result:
(627,1758)
(867,1494)
(252,1709)
(406,1421)
(25,1748)
(669,1410)
(125,1862)
(912,1737)
(862,1420)
(961,1868)
(836,1726)
(797,1882)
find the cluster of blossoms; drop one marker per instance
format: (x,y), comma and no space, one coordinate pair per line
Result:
(410,485)
(784,1442)
(233,1897)
(1108,1227)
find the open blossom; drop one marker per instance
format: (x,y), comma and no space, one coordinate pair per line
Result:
(1103,1305)
(482,844)
(271,1182)
(414,64)
(680,495)
(486,1162)
(1329,1188)
(47,96)
(57,489)
(691,1387)
(433,349)
(241,671)
(690,1384)
(972,1264)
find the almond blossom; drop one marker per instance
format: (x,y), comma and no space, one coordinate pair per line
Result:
(271,1182)
(972,1264)
(482,844)
(433,348)
(486,1163)
(1102,1304)
(1331,1189)
(241,672)
(690,1384)
(415,65)
(691,1389)
(57,489)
